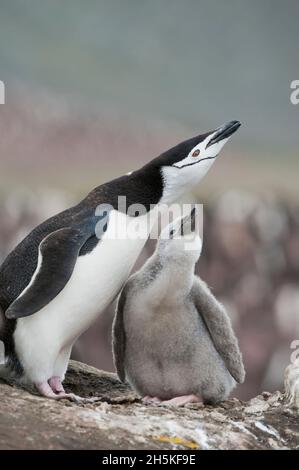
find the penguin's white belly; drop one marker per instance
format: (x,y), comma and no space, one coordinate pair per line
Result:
(96,280)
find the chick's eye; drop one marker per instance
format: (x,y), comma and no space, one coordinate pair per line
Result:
(196,153)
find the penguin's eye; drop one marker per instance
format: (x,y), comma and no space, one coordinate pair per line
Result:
(196,153)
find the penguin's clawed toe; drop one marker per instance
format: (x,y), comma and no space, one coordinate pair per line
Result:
(77,399)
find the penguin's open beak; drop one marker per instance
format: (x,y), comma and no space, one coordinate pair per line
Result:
(224,132)
(188,222)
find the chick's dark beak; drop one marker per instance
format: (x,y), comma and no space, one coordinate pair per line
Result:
(188,223)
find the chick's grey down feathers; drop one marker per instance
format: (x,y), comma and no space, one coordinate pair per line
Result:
(171,340)
(220,329)
(215,317)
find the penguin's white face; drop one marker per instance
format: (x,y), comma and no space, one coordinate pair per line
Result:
(203,152)
(188,170)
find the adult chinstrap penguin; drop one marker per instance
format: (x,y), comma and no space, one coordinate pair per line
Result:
(172,339)
(55,283)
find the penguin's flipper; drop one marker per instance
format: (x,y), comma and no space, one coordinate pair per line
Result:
(219,326)
(58,254)
(119,337)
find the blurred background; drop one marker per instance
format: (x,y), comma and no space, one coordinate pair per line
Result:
(95,89)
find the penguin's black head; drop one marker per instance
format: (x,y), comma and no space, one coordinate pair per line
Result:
(185,164)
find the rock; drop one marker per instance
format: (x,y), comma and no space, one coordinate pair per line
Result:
(121,421)
(256,406)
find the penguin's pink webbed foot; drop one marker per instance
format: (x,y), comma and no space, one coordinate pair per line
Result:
(54,389)
(56,385)
(60,393)
(45,390)
(182,401)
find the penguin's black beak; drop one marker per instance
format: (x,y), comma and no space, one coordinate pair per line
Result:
(224,132)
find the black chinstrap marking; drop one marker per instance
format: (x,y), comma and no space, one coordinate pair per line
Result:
(195,163)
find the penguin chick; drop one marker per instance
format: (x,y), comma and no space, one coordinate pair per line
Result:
(172,340)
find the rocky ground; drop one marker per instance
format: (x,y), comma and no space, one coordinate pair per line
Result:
(119,420)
